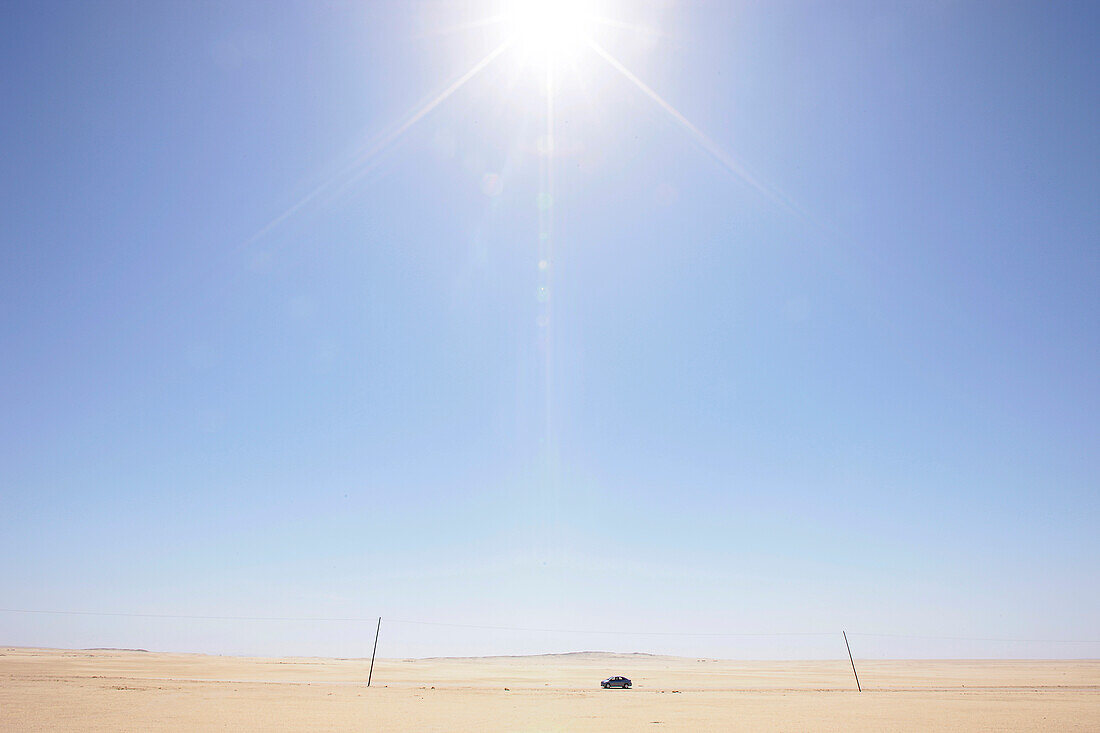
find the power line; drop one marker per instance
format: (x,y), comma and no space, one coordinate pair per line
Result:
(601,632)
(979,638)
(180,616)
(617,631)
(192,617)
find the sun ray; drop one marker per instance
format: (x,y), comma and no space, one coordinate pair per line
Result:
(623,25)
(546,263)
(459,27)
(354,170)
(711,147)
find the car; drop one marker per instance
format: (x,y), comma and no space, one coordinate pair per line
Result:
(610,682)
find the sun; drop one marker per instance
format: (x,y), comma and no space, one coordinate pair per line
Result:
(548,32)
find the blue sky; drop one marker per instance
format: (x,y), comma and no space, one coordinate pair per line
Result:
(865,397)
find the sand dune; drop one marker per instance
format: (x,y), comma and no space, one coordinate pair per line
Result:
(108,690)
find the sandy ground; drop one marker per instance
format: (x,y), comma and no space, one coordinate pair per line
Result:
(43,689)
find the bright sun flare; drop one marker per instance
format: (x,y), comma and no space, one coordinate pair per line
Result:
(548,35)
(548,30)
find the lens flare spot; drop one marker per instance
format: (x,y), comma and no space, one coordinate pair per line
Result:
(666,194)
(492,184)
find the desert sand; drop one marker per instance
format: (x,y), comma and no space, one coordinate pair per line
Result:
(108,690)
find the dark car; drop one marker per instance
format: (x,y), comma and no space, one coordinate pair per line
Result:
(610,682)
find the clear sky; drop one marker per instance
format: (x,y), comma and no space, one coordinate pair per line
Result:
(732,317)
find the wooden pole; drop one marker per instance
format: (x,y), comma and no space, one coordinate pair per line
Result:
(849,659)
(376,630)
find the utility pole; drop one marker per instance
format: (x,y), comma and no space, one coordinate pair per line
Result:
(845,646)
(375,651)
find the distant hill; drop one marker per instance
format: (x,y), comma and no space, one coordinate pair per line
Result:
(593,655)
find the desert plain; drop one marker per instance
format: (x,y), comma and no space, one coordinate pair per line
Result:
(116,690)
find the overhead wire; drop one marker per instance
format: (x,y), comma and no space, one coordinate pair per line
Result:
(541,630)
